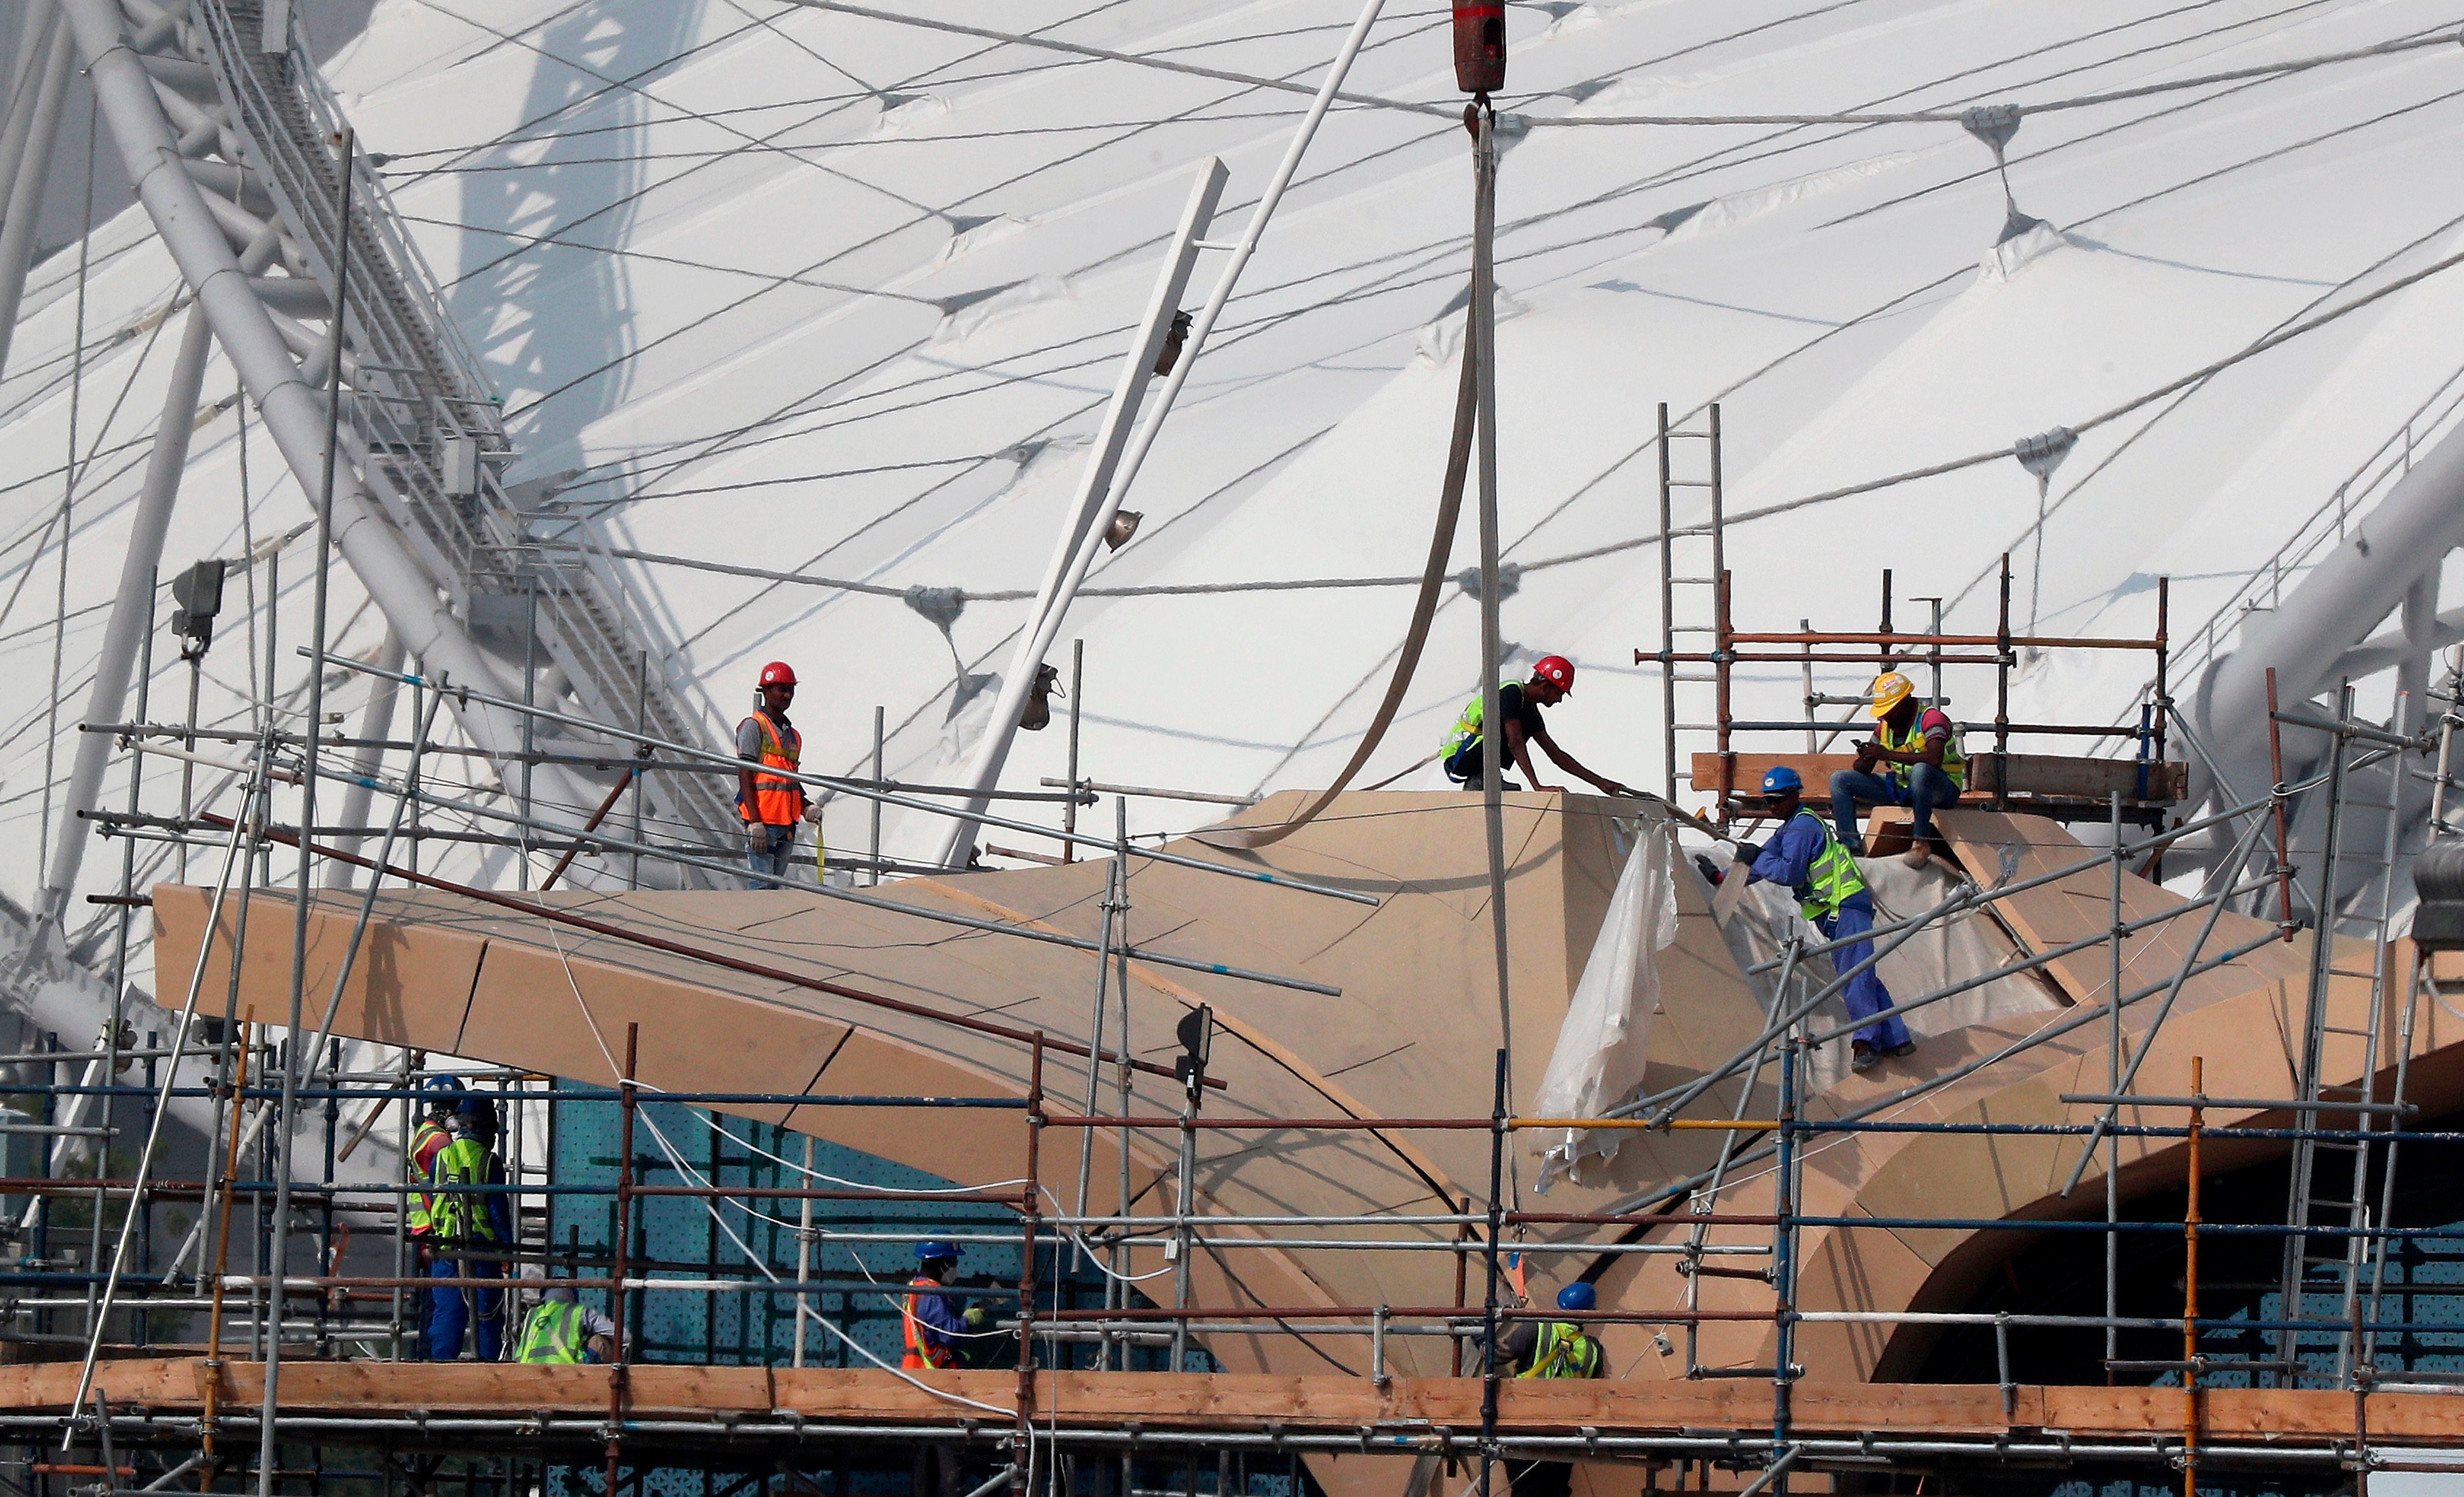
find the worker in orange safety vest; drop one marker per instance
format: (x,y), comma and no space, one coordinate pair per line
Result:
(932,1325)
(770,801)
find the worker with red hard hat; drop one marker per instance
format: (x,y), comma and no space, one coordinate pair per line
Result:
(770,801)
(1518,705)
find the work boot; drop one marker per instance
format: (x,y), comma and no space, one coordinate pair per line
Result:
(1901,1050)
(1920,854)
(1861,1057)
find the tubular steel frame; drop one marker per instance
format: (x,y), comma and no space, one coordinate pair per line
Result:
(319,1315)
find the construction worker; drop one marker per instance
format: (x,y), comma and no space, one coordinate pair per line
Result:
(468,1223)
(771,804)
(932,1325)
(562,1330)
(1921,746)
(1806,857)
(1519,704)
(932,1322)
(1552,1348)
(428,1140)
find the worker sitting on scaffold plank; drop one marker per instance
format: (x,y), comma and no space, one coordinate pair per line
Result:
(1927,771)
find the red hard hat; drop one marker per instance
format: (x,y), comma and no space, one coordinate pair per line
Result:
(778,673)
(1557,671)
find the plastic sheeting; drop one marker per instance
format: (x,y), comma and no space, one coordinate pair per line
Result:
(1604,1043)
(1967,945)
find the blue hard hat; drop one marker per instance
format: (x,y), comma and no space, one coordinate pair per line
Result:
(935,1248)
(1782,779)
(478,1114)
(451,1085)
(1578,1295)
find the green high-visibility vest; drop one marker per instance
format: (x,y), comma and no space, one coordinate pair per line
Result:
(554,1334)
(1831,878)
(1953,763)
(1563,1351)
(458,1215)
(1467,726)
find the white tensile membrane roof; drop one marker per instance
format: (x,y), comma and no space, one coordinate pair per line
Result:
(819,293)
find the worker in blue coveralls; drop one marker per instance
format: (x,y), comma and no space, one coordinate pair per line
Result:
(472,1225)
(1806,856)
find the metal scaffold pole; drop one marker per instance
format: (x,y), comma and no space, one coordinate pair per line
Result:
(1480,344)
(283,1134)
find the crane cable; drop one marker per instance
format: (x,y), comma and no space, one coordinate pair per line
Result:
(1424,608)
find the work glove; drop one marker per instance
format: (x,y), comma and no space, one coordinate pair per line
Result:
(812,813)
(757,836)
(977,1317)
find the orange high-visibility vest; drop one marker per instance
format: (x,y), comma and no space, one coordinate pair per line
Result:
(918,1353)
(426,1144)
(777,801)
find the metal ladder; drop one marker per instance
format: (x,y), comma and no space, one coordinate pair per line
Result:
(2342,1201)
(428,422)
(1702,573)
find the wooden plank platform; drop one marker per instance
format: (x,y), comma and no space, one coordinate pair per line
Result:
(2051,777)
(1240,1402)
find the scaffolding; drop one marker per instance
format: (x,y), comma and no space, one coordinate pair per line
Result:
(2040,784)
(167,1335)
(184,1270)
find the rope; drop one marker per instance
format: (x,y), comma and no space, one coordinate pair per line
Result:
(2207,371)
(998,595)
(2081,427)
(1535,121)
(1433,578)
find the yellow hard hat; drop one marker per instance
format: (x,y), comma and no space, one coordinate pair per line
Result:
(1889,689)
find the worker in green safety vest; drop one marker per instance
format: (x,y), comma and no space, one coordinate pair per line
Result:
(1463,750)
(468,1226)
(1916,747)
(1552,1348)
(441,1095)
(562,1330)
(1807,858)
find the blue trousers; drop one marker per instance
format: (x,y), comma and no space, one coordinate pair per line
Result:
(451,1306)
(1925,787)
(769,860)
(1464,766)
(1865,995)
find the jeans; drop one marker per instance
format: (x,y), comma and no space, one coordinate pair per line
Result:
(450,1306)
(1865,995)
(1925,787)
(768,858)
(1463,767)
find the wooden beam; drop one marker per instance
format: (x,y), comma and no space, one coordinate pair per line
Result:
(2053,776)
(1239,1401)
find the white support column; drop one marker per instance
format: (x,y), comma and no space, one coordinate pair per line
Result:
(25,83)
(374,725)
(25,202)
(132,611)
(985,773)
(2405,536)
(2419,618)
(1094,486)
(294,412)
